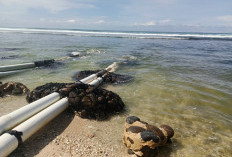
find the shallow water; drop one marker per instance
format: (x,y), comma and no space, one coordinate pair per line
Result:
(186,84)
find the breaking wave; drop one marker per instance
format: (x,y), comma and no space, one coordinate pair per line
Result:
(113,34)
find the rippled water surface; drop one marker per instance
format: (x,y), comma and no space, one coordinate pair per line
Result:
(185,83)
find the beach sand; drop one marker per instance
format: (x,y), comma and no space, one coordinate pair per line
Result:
(69,135)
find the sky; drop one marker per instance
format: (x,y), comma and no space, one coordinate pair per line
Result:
(138,15)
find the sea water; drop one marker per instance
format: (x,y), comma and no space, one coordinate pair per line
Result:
(180,79)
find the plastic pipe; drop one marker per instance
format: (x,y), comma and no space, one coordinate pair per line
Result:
(6,73)
(112,67)
(9,121)
(96,82)
(26,65)
(99,80)
(90,78)
(9,142)
(17,67)
(12,119)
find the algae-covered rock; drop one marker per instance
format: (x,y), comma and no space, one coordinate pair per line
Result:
(88,101)
(144,139)
(12,88)
(44,90)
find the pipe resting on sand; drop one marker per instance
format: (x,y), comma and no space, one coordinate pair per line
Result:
(10,141)
(44,110)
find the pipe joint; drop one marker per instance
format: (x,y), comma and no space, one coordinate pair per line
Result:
(17,134)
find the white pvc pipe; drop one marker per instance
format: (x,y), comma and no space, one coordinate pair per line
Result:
(12,119)
(17,67)
(99,80)
(6,73)
(90,78)
(112,67)
(8,143)
(96,82)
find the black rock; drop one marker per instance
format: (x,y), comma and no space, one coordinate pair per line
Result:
(132,119)
(13,88)
(44,90)
(88,101)
(149,135)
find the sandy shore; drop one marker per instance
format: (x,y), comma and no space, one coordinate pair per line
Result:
(69,136)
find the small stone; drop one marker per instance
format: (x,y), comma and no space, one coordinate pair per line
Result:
(169,130)
(130,151)
(149,135)
(72,94)
(100,99)
(91,135)
(132,119)
(135,129)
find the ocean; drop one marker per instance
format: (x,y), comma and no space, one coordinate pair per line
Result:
(180,79)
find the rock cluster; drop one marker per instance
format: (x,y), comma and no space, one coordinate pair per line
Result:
(144,139)
(44,90)
(108,78)
(12,88)
(88,101)
(44,62)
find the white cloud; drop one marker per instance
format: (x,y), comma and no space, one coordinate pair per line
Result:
(153,23)
(78,21)
(162,1)
(164,21)
(225,18)
(150,23)
(71,21)
(100,22)
(50,5)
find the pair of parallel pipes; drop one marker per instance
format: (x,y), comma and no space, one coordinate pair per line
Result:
(16,68)
(6,70)
(44,110)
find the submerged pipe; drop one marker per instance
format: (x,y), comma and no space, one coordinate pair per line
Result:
(11,140)
(33,64)
(96,82)
(90,78)
(17,67)
(6,68)
(99,80)
(6,73)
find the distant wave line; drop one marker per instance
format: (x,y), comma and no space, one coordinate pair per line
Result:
(147,35)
